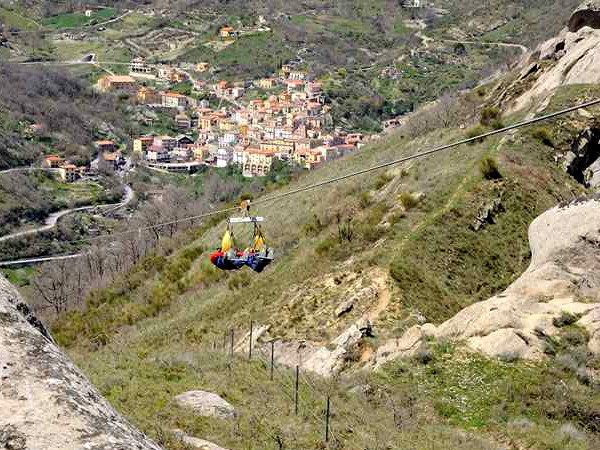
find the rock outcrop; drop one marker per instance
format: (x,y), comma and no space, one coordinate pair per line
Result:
(586,15)
(583,160)
(563,279)
(324,360)
(571,58)
(206,404)
(46,403)
(195,442)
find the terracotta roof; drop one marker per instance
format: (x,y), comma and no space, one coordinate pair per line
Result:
(52,158)
(69,166)
(104,142)
(173,94)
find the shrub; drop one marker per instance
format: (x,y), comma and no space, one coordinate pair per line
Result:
(424,355)
(408,200)
(369,233)
(382,180)
(488,115)
(497,124)
(325,246)
(314,227)
(489,169)
(544,135)
(565,318)
(364,199)
(475,131)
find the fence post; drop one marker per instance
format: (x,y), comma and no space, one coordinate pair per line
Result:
(296,386)
(214,344)
(327,413)
(231,343)
(250,344)
(272,358)
(225,342)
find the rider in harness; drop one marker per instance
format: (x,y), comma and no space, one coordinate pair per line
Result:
(257,256)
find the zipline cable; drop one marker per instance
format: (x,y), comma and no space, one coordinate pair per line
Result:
(319,184)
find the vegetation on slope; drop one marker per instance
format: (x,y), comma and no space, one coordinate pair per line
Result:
(150,336)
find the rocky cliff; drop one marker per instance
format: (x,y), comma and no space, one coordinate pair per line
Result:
(46,403)
(573,57)
(563,281)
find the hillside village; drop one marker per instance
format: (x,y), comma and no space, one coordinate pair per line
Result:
(288,122)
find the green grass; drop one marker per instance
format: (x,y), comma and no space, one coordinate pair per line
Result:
(167,311)
(75,20)
(19,277)
(14,19)
(407,403)
(259,54)
(74,193)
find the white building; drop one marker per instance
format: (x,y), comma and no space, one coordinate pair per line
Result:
(157,153)
(224,156)
(228,139)
(138,66)
(240,156)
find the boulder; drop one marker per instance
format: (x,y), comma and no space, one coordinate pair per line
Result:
(45,401)
(196,442)
(592,174)
(487,215)
(587,14)
(344,308)
(550,48)
(206,404)
(402,347)
(259,333)
(325,361)
(528,70)
(577,61)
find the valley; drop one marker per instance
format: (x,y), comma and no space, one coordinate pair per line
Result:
(429,179)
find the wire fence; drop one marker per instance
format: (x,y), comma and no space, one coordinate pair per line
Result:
(306,401)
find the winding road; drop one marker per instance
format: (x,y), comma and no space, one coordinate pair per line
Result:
(28,169)
(53,218)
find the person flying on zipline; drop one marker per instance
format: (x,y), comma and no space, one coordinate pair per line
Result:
(257,256)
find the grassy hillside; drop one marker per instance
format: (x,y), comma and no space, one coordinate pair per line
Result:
(150,336)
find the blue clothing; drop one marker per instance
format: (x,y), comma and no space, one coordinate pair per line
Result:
(222,262)
(257,264)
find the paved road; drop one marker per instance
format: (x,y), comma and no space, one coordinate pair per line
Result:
(53,218)
(28,169)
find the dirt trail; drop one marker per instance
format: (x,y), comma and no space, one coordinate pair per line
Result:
(380,280)
(494,44)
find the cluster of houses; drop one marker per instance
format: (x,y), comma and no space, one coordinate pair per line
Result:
(289,126)
(108,156)
(67,172)
(289,122)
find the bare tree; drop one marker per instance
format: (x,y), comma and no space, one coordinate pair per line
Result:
(54,284)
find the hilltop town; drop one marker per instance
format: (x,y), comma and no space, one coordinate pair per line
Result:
(248,123)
